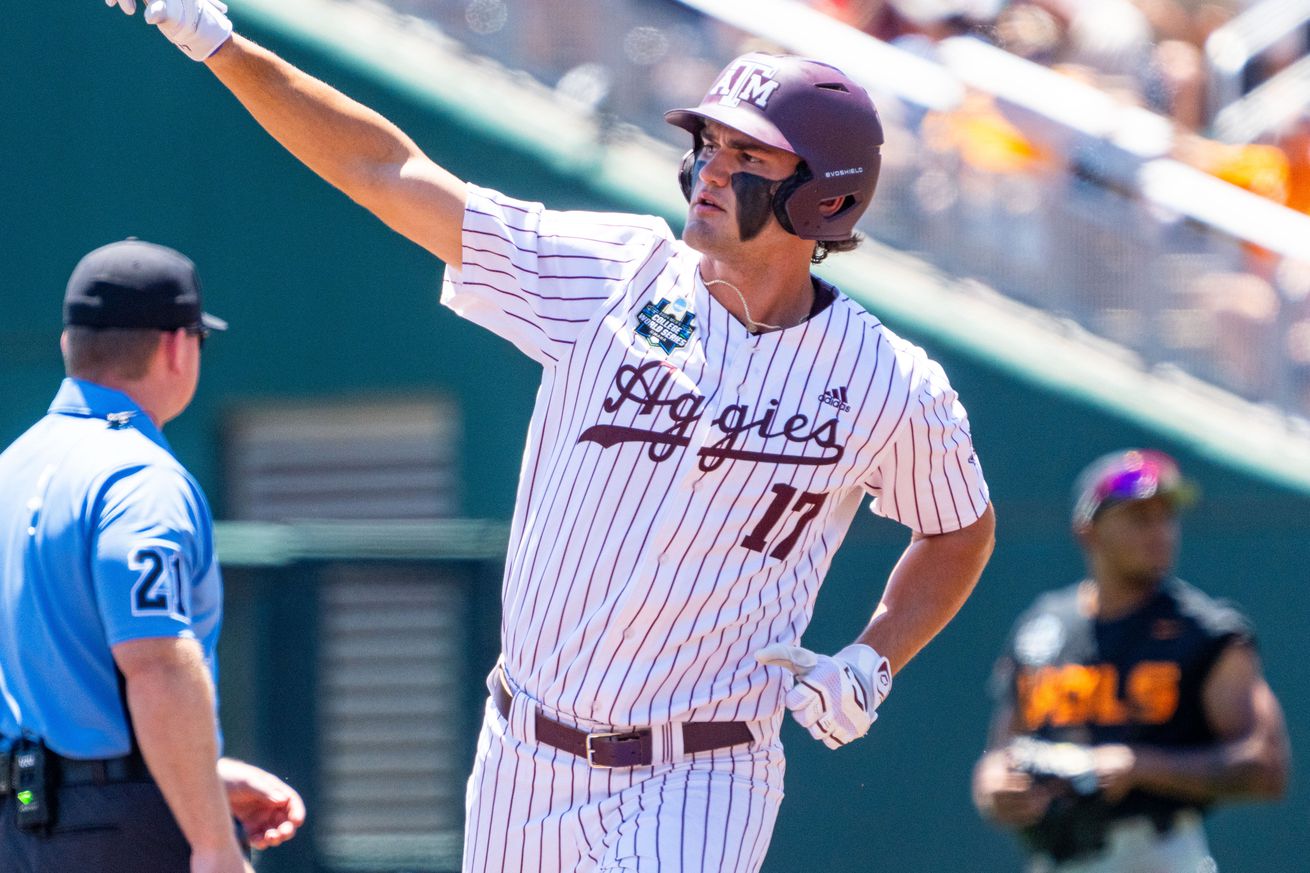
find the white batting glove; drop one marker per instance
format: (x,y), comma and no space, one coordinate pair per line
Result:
(197,27)
(835,698)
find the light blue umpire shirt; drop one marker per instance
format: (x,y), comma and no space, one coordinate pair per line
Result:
(104,538)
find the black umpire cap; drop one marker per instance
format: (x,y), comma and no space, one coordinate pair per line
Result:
(136,284)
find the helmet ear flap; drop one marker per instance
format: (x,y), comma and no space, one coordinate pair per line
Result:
(685,172)
(784,192)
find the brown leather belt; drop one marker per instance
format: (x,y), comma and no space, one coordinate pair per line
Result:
(632,748)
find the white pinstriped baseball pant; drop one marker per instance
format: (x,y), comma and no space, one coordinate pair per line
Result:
(532,807)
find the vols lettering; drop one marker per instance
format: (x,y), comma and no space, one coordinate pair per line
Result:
(1090,694)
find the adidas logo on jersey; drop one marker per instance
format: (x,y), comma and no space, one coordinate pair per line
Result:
(836,397)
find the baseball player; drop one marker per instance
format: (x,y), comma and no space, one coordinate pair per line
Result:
(1130,702)
(110,603)
(709,420)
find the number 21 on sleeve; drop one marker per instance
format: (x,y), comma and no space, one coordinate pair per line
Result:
(160,589)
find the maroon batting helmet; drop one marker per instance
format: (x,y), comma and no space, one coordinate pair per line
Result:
(812,110)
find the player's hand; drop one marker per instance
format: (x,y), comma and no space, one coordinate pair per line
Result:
(197,27)
(1116,767)
(1007,796)
(835,697)
(269,810)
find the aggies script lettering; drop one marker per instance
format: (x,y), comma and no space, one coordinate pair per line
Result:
(649,386)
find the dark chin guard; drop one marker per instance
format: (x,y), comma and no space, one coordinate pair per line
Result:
(757,197)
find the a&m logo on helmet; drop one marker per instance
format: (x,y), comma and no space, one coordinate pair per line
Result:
(747,80)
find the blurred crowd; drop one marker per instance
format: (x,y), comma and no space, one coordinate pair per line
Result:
(1148,53)
(971,190)
(1249,318)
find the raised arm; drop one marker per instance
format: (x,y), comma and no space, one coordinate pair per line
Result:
(352,147)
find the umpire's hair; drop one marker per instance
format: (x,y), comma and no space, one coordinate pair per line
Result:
(823,248)
(91,353)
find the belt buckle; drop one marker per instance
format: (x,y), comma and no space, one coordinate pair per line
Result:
(591,750)
(620,735)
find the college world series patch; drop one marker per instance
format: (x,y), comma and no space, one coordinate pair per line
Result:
(666,325)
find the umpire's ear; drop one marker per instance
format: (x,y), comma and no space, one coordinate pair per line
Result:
(175,350)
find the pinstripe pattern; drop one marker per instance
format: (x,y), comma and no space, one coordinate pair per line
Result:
(712,813)
(677,510)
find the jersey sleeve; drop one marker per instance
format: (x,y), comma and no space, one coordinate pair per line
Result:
(1223,624)
(928,478)
(536,276)
(152,548)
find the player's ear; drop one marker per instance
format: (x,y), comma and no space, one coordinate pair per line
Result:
(1084,534)
(831,205)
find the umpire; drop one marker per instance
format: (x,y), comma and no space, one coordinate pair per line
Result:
(110,603)
(1129,702)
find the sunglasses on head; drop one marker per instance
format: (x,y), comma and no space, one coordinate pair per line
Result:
(1129,485)
(1149,477)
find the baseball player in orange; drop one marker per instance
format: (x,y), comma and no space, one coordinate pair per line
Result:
(1128,703)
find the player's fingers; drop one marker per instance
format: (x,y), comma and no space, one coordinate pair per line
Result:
(1020,810)
(270,834)
(128,6)
(802,696)
(295,811)
(807,717)
(792,658)
(822,700)
(1016,782)
(807,705)
(828,739)
(278,835)
(158,12)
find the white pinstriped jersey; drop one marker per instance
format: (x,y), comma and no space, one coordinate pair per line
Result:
(685,482)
